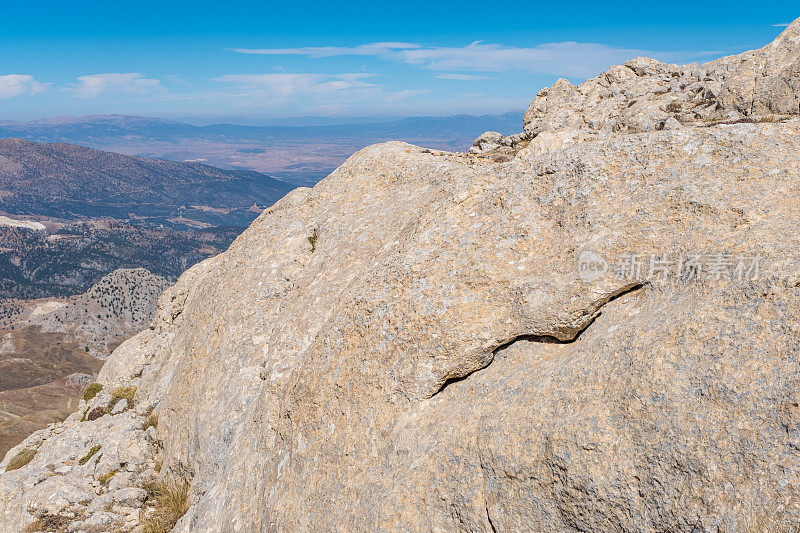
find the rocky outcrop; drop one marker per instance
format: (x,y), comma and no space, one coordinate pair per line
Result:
(121,304)
(763,83)
(593,336)
(499,147)
(646,95)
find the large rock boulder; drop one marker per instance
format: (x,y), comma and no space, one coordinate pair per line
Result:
(602,336)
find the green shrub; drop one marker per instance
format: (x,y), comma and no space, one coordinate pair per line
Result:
(94,450)
(21,459)
(91,391)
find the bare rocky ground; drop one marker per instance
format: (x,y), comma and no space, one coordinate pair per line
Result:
(589,326)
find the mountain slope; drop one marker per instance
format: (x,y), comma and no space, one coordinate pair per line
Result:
(64,180)
(47,359)
(120,304)
(70,257)
(472,342)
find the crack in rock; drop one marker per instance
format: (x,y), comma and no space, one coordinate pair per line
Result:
(591,314)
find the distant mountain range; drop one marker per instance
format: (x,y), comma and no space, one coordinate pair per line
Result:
(100,128)
(302,153)
(71,182)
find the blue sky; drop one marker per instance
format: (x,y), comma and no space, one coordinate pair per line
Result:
(264,59)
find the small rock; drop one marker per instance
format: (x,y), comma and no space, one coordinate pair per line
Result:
(491,140)
(79,380)
(121,406)
(129,496)
(133,518)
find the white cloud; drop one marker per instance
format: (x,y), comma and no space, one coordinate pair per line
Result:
(311,93)
(781,25)
(371,49)
(565,58)
(408,93)
(282,85)
(12,85)
(461,77)
(115,83)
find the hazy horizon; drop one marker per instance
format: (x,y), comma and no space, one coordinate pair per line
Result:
(242,120)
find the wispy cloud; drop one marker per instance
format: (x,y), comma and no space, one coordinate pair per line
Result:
(781,25)
(408,93)
(564,58)
(283,85)
(371,49)
(12,85)
(311,93)
(116,84)
(461,77)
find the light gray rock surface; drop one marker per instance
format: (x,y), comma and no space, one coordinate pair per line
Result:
(412,344)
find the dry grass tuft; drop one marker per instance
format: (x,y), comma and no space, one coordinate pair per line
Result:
(171,503)
(21,459)
(312,240)
(85,458)
(105,478)
(151,422)
(48,522)
(122,393)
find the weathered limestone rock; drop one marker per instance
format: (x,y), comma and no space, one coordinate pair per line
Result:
(491,140)
(762,83)
(498,147)
(410,345)
(120,407)
(646,95)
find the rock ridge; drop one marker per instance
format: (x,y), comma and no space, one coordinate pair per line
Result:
(644,94)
